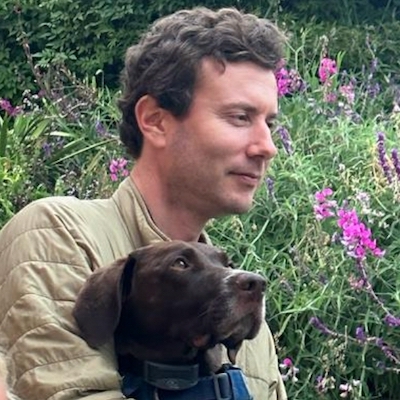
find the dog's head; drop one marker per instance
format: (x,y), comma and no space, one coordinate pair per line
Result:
(168,299)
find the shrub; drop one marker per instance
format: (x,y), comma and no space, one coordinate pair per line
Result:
(324,229)
(324,232)
(90,38)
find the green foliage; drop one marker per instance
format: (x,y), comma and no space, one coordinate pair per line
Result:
(63,141)
(46,149)
(89,37)
(86,36)
(310,274)
(361,44)
(345,12)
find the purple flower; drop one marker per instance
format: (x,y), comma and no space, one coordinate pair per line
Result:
(317,323)
(360,334)
(100,129)
(373,89)
(373,67)
(382,157)
(270,186)
(47,148)
(118,167)
(288,81)
(391,320)
(386,349)
(6,106)
(286,140)
(396,162)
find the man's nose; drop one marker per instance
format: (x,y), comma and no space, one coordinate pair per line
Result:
(262,144)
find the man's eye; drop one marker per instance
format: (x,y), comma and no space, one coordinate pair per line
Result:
(230,264)
(271,125)
(239,119)
(242,117)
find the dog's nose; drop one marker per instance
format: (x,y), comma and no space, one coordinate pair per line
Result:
(250,282)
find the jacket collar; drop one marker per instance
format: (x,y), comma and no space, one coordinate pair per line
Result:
(141,228)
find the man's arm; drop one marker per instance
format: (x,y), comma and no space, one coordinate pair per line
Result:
(42,268)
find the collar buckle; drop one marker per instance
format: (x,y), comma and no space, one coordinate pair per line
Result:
(170,377)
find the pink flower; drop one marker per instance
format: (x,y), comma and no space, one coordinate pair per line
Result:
(327,68)
(288,81)
(289,370)
(330,97)
(356,237)
(322,211)
(287,362)
(347,91)
(117,168)
(323,194)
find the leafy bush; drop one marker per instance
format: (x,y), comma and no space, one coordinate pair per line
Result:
(324,229)
(325,233)
(90,38)
(57,145)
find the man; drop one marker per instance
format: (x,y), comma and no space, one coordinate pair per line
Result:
(198,102)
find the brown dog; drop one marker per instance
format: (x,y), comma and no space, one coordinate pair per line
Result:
(172,303)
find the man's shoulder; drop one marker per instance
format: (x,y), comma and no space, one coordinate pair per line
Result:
(44,212)
(51,213)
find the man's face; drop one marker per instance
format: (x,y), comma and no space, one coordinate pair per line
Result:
(218,153)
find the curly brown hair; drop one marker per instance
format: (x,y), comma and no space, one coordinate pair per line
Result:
(165,64)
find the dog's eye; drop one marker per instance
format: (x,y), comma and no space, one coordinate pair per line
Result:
(180,263)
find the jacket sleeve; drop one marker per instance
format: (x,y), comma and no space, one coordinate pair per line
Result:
(42,268)
(259,362)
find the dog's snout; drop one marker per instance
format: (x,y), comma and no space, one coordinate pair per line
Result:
(250,282)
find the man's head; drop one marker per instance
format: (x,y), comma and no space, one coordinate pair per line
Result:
(167,62)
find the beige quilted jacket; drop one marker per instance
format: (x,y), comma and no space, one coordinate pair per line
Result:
(47,251)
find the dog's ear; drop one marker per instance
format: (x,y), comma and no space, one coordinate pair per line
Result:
(98,306)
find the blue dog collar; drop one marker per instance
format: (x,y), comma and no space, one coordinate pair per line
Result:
(230,384)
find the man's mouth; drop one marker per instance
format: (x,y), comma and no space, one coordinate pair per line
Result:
(248,178)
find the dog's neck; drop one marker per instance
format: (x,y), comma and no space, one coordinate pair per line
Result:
(132,355)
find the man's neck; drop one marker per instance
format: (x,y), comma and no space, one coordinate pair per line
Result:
(175,220)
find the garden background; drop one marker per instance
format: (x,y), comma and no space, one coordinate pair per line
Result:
(324,229)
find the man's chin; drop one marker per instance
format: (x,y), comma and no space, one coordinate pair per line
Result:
(243,205)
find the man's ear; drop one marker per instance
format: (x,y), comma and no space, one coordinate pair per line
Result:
(151,120)
(98,306)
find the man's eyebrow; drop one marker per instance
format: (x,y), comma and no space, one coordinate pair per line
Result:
(242,105)
(249,108)
(273,115)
